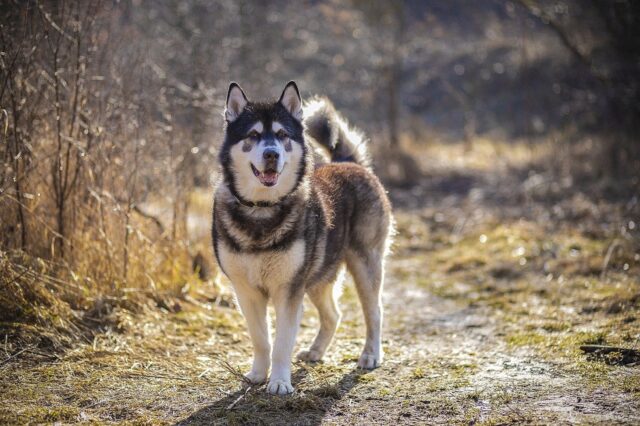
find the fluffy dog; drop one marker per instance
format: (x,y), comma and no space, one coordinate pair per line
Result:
(288,218)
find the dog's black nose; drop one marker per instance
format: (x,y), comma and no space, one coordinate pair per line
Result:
(270,155)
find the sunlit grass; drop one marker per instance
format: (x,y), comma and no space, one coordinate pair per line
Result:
(535,290)
(479,155)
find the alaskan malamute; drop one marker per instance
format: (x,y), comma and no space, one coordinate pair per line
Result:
(286,222)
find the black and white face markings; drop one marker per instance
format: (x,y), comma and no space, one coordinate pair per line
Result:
(267,141)
(263,156)
(282,135)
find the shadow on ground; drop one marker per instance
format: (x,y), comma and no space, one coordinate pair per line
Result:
(257,407)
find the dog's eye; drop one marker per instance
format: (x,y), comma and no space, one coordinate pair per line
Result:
(254,135)
(282,134)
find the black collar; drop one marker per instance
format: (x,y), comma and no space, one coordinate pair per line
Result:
(240,200)
(248,203)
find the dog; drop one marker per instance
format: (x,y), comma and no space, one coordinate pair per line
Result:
(296,204)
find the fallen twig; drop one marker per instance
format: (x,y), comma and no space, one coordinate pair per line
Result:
(50,356)
(155,376)
(225,365)
(233,404)
(204,373)
(15,355)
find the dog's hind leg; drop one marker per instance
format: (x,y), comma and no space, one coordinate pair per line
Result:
(367,272)
(324,299)
(253,304)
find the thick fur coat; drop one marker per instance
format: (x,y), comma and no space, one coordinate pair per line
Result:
(286,223)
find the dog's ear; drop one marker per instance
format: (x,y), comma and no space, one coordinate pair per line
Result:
(236,101)
(290,99)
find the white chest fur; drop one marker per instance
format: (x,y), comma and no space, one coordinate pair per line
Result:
(269,270)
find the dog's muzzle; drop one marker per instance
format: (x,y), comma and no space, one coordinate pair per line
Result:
(269,175)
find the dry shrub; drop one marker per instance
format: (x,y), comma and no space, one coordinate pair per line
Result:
(89,139)
(114,260)
(51,303)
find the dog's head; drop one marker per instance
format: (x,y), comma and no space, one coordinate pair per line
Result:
(264,156)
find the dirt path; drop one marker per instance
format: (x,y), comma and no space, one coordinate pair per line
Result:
(484,317)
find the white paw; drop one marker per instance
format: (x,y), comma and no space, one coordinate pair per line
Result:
(279,387)
(369,361)
(310,355)
(256,377)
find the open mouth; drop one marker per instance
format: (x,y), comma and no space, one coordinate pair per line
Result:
(268,178)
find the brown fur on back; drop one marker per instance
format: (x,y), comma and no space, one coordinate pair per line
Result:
(356,211)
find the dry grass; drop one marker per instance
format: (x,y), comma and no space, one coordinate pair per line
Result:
(487,302)
(69,301)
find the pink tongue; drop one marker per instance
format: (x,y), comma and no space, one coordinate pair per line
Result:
(269,177)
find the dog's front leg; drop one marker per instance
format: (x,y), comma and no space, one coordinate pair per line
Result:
(253,304)
(288,313)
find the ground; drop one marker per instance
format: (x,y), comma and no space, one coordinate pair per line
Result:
(498,275)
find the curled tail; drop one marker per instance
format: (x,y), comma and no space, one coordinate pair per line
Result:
(331,131)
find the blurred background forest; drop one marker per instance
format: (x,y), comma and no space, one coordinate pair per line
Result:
(111,117)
